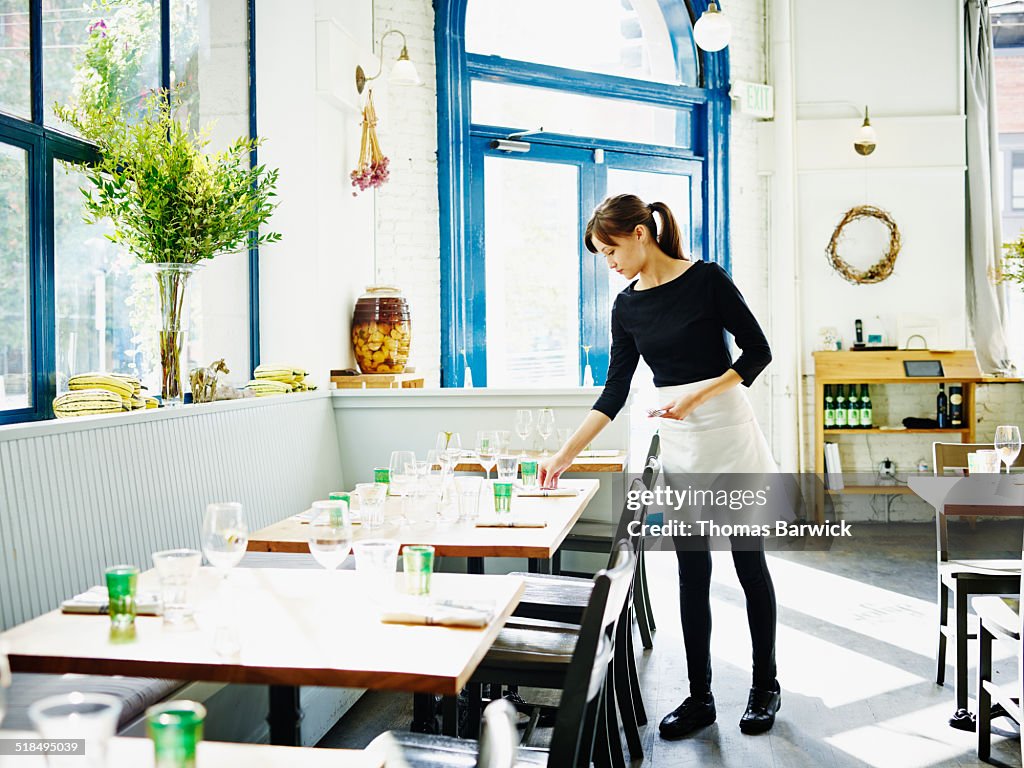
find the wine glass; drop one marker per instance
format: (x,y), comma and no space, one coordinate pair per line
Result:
(1007,444)
(330,533)
(225,535)
(524,425)
(545,425)
(487,450)
(398,474)
(449,449)
(504,440)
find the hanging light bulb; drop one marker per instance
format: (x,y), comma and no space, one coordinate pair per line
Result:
(866,138)
(713,29)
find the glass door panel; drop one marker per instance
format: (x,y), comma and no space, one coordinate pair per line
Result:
(532,268)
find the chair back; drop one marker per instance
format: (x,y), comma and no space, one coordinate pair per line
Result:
(572,741)
(499,739)
(652,465)
(631,521)
(954,455)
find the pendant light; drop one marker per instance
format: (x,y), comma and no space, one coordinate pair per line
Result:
(866,138)
(713,29)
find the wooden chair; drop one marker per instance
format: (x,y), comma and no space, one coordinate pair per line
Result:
(963,578)
(1000,619)
(579,725)
(590,536)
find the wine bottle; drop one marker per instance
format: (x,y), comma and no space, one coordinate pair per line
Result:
(941,412)
(956,406)
(853,408)
(866,415)
(830,408)
(840,413)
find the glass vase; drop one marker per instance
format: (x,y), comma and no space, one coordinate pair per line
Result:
(172,283)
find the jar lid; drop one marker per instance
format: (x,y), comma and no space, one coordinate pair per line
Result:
(384,290)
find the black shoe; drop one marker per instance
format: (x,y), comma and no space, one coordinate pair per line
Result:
(761,708)
(692,714)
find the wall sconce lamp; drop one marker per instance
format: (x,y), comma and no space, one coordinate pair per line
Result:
(403,73)
(713,29)
(866,138)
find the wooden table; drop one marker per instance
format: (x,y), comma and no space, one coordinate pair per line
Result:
(138,753)
(585,462)
(459,539)
(296,627)
(990,495)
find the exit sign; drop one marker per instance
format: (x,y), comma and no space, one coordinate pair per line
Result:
(753,99)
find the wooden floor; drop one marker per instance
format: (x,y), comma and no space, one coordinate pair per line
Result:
(856,644)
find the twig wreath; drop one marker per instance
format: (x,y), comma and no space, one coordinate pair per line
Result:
(882,268)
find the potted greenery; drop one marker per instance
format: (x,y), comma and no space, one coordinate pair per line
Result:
(170,203)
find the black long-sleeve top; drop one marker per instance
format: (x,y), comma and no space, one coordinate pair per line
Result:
(679,328)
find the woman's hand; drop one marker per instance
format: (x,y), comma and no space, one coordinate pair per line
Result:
(679,408)
(551,469)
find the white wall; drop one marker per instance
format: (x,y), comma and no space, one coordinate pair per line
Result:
(310,280)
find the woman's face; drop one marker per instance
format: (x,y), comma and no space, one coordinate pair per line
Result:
(625,255)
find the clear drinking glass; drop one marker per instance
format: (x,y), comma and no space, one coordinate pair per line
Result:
(372,497)
(225,535)
(507,468)
(449,450)
(448,501)
(177,568)
(330,533)
(175,728)
(376,563)
(487,450)
(504,440)
(469,488)
(400,478)
(545,425)
(420,507)
(524,425)
(89,716)
(1007,443)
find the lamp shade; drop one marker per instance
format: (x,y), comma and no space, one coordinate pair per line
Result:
(404,73)
(712,30)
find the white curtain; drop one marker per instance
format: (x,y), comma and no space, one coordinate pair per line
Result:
(986,302)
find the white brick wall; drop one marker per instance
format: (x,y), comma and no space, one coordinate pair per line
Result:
(407,250)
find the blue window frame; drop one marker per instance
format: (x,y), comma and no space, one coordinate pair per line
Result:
(45,145)
(695,151)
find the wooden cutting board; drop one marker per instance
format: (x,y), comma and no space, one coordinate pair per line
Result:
(378,380)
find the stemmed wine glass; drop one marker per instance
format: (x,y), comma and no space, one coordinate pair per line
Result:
(545,425)
(225,537)
(449,450)
(401,480)
(487,450)
(1007,444)
(524,425)
(330,533)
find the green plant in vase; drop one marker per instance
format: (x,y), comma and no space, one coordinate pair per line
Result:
(170,203)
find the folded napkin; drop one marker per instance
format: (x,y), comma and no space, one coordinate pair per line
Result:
(440,613)
(494,522)
(547,492)
(597,454)
(94,600)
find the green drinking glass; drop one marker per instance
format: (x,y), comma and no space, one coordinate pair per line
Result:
(175,727)
(418,564)
(502,498)
(121,584)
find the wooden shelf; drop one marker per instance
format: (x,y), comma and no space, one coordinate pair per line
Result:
(872,490)
(877,431)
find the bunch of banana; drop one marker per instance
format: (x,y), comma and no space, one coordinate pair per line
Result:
(87,402)
(264,387)
(122,385)
(291,375)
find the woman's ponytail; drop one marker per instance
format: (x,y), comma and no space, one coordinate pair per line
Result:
(668,236)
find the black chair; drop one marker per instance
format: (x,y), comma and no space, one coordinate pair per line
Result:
(583,693)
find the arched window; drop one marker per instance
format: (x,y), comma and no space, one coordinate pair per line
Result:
(545,109)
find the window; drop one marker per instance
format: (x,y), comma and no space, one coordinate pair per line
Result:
(1017,181)
(604,96)
(71,301)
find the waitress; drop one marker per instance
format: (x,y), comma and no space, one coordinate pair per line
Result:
(675,314)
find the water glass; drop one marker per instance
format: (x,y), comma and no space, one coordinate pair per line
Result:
(563,435)
(448,506)
(469,496)
(341,496)
(382,475)
(507,468)
(528,468)
(419,508)
(502,498)
(418,564)
(225,535)
(89,716)
(545,425)
(372,497)
(504,440)
(487,449)
(177,568)
(330,533)
(398,475)
(1007,443)
(175,727)
(376,563)
(121,584)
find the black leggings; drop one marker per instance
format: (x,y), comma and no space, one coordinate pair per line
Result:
(695,611)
